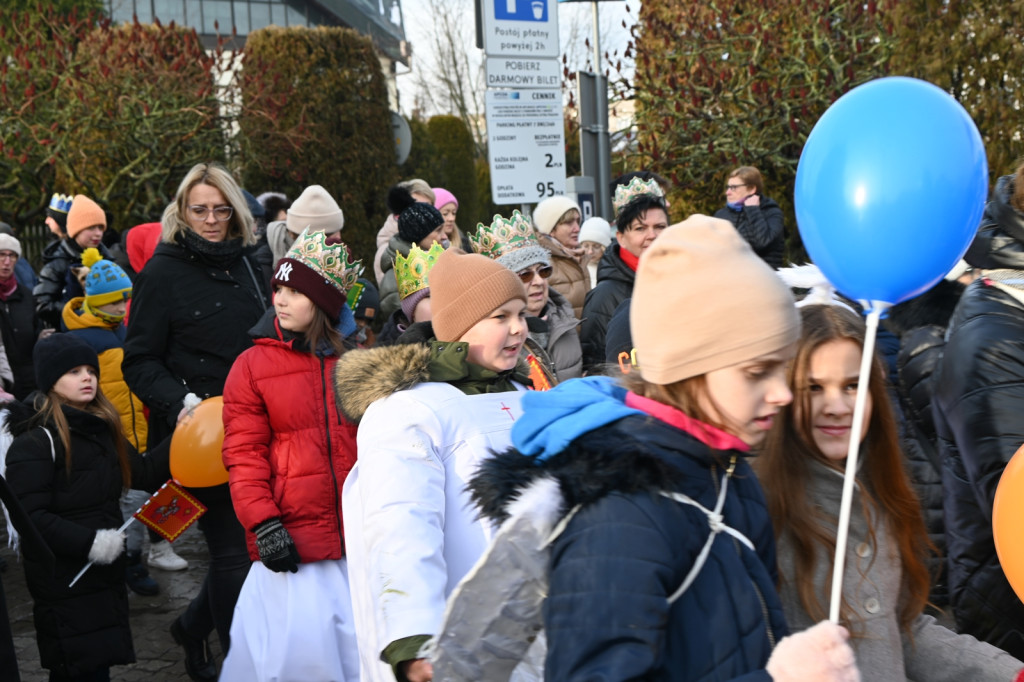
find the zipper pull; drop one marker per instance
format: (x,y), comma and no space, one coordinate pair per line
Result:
(732,466)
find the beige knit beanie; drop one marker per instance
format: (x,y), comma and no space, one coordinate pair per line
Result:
(84,213)
(704,301)
(317,210)
(465,288)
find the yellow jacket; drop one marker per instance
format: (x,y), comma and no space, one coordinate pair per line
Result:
(108,343)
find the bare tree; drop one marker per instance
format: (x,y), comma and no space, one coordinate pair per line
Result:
(451,79)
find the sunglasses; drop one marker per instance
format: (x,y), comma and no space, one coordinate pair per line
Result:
(544,272)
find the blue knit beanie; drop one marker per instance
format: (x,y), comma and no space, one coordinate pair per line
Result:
(106,281)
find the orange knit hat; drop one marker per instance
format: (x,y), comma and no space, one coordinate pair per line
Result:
(84,213)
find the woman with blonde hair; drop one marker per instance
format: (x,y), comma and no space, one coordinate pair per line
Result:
(192,308)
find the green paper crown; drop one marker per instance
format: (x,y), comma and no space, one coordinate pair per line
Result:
(330,260)
(503,235)
(412,273)
(636,188)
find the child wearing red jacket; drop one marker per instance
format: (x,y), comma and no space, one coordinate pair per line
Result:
(288,451)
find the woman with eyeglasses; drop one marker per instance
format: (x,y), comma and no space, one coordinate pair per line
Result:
(757,218)
(192,308)
(551,322)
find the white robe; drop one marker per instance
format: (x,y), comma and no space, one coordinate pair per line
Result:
(410,531)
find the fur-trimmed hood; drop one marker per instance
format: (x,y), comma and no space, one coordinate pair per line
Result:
(362,377)
(585,437)
(19,414)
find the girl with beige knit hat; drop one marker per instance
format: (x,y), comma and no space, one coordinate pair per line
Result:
(652,551)
(428,414)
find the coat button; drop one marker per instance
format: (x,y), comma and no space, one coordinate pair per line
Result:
(872,605)
(863,550)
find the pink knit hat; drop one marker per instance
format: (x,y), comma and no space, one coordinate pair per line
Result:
(443,197)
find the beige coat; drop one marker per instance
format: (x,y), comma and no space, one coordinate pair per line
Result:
(569,277)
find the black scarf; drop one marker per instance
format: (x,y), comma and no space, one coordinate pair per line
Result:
(221,255)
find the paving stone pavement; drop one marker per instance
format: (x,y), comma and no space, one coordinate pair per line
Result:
(159,659)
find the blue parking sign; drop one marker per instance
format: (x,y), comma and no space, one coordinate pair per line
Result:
(521,10)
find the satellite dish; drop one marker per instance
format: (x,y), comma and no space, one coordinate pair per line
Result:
(403,137)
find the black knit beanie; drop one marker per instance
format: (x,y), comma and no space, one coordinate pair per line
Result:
(415,219)
(58,354)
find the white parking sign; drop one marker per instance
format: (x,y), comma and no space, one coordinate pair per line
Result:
(522,28)
(526,145)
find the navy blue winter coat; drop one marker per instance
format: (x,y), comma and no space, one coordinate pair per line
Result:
(628,547)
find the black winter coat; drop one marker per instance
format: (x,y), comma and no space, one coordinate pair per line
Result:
(82,628)
(189,320)
(921,325)
(977,406)
(20,328)
(762,227)
(628,547)
(614,285)
(53,279)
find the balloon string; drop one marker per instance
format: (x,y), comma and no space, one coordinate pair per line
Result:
(851,459)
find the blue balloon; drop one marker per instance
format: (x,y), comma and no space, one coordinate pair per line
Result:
(890,189)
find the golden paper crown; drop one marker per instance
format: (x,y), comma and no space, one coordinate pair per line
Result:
(503,235)
(636,188)
(413,273)
(330,260)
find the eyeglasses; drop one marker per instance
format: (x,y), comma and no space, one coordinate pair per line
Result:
(528,275)
(221,213)
(733,188)
(8,255)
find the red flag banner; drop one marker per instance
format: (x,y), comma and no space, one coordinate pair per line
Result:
(170,511)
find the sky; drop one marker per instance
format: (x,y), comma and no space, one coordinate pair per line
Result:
(575,24)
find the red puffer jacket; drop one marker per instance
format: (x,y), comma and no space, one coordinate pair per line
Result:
(286,447)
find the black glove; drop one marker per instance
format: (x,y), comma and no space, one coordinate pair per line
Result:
(276,547)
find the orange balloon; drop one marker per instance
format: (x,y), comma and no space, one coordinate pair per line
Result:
(1007,510)
(196,460)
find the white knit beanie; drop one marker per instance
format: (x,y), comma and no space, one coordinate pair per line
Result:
(317,210)
(596,229)
(547,213)
(9,243)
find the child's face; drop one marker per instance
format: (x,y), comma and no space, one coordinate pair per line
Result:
(294,310)
(117,308)
(90,236)
(422,311)
(745,397)
(832,391)
(78,386)
(494,341)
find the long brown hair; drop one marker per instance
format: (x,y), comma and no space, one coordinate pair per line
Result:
(49,412)
(1017,198)
(321,329)
(784,471)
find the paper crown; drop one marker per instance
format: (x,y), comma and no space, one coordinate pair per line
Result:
(60,202)
(412,273)
(503,235)
(330,260)
(636,188)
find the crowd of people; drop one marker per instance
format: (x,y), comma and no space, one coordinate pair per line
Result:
(541,448)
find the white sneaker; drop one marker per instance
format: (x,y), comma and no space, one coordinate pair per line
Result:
(162,556)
